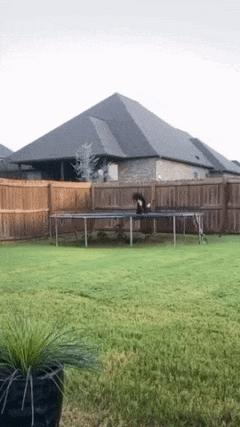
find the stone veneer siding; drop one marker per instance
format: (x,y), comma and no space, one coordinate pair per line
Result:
(140,170)
(137,170)
(170,171)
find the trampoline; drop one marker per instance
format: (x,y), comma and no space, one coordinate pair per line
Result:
(131,216)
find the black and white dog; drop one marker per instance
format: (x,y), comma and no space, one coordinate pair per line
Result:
(142,206)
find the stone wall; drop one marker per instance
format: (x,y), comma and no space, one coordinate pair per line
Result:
(140,170)
(137,170)
(168,170)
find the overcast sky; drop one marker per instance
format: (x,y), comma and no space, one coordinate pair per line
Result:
(179,58)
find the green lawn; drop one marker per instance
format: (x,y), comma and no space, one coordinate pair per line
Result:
(166,321)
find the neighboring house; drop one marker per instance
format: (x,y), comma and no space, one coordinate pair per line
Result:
(236,162)
(4,152)
(11,170)
(139,145)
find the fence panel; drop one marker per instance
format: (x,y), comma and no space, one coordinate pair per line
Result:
(206,196)
(23,209)
(70,197)
(25,206)
(233,207)
(119,197)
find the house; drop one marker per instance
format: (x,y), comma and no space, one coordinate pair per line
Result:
(4,164)
(138,145)
(236,162)
(4,152)
(12,170)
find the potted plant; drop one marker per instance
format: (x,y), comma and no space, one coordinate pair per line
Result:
(33,355)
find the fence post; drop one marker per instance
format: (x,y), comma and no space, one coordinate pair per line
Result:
(50,207)
(153,206)
(153,195)
(225,200)
(93,196)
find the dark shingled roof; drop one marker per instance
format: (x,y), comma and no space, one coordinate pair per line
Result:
(4,151)
(122,128)
(219,162)
(236,162)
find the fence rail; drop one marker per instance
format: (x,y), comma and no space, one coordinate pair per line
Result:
(25,206)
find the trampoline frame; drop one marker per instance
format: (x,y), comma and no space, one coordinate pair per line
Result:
(132,216)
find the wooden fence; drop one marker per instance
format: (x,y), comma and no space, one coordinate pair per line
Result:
(25,206)
(218,198)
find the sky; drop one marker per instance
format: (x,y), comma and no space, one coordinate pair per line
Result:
(179,58)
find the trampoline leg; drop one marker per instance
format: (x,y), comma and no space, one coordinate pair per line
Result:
(184,228)
(131,231)
(50,227)
(85,233)
(200,229)
(154,226)
(174,231)
(56,231)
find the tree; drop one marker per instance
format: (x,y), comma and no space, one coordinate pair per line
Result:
(88,166)
(85,163)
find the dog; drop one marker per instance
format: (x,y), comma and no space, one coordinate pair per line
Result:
(142,205)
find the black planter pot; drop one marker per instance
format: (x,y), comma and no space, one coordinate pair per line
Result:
(42,404)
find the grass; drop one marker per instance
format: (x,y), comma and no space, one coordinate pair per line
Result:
(166,322)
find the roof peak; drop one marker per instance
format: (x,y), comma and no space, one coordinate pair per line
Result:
(4,151)
(119,95)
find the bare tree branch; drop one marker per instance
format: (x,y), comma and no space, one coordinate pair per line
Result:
(85,163)
(89,167)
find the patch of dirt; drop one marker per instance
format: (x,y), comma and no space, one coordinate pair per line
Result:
(73,417)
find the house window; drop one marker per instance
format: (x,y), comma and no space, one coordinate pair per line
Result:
(195,174)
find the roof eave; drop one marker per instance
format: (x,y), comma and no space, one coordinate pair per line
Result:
(57,159)
(187,162)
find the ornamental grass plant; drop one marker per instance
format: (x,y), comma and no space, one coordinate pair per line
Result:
(33,355)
